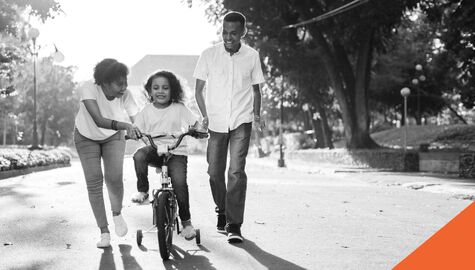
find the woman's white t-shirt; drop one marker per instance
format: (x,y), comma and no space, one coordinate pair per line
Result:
(119,109)
(173,120)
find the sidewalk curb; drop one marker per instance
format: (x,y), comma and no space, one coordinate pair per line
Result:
(17,172)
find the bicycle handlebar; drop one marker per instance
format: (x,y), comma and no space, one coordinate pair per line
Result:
(198,134)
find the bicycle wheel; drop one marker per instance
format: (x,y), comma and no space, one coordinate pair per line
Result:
(164,225)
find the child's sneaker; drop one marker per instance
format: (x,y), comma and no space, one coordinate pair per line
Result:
(139,197)
(105,241)
(188,231)
(120,225)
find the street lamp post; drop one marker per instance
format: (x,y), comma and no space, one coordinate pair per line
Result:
(281,161)
(415,82)
(33,34)
(405,92)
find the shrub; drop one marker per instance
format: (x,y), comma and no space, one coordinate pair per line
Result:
(11,158)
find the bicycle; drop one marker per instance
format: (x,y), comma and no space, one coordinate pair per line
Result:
(164,203)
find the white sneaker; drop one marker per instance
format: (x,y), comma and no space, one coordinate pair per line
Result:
(105,241)
(188,232)
(120,225)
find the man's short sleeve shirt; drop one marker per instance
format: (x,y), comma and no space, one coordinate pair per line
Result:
(229,80)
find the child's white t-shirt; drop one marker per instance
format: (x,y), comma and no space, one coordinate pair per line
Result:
(173,119)
(118,109)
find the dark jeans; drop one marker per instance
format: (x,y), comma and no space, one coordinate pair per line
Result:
(231,199)
(177,166)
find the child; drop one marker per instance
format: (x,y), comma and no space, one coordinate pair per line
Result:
(165,114)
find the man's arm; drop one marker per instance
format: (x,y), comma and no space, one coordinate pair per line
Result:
(258,124)
(200,100)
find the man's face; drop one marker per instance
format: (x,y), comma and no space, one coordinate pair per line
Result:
(232,33)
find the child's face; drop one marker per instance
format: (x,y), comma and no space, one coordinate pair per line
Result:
(160,91)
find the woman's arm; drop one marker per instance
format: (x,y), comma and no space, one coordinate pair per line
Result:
(102,122)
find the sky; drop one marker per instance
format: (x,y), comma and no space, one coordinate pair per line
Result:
(91,30)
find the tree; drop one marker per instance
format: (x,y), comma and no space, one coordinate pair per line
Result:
(11,15)
(414,44)
(457,34)
(344,43)
(56,101)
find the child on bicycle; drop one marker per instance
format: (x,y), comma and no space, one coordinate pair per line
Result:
(167,114)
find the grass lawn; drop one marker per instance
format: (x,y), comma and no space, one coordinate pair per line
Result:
(439,137)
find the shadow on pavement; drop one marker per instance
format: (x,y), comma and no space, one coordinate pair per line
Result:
(184,260)
(32,266)
(65,183)
(12,192)
(107,260)
(129,262)
(266,259)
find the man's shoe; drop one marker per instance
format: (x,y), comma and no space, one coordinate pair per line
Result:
(105,241)
(220,227)
(234,233)
(234,238)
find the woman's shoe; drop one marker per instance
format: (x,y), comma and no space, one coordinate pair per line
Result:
(139,197)
(105,241)
(120,225)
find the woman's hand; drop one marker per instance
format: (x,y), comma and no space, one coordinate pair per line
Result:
(133,132)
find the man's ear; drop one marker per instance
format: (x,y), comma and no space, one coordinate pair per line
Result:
(244,32)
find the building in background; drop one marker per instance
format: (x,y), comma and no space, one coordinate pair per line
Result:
(182,65)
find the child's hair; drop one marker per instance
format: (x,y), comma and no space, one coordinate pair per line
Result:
(176,90)
(109,70)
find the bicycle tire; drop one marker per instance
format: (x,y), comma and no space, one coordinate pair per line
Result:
(164,225)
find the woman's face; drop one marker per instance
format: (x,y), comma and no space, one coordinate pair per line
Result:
(160,92)
(115,88)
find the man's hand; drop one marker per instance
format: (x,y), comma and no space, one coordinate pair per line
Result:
(205,123)
(258,124)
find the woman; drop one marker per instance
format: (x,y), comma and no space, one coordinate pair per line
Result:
(106,112)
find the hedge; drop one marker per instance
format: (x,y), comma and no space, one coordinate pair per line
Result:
(14,159)
(395,160)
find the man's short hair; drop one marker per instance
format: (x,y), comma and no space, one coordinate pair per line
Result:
(234,16)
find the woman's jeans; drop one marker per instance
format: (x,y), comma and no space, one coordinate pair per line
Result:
(177,169)
(231,199)
(111,151)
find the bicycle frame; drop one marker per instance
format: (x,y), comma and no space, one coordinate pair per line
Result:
(164,201)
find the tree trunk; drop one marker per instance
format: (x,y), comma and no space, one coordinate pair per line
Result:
(327,133)
(362,138)
(43,128)
(350,90)
(317,124)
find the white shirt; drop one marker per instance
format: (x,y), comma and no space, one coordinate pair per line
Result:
(229,93)
(119,109)
(173,119)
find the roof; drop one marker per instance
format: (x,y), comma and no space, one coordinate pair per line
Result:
(182,65)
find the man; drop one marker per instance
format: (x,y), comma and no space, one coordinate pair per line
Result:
(232,73)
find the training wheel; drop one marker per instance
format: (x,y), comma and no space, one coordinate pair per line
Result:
(139,237)
(198,236)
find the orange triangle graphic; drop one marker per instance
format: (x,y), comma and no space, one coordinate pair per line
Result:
(452,247)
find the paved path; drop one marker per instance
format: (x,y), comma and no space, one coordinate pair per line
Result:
(296,218)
